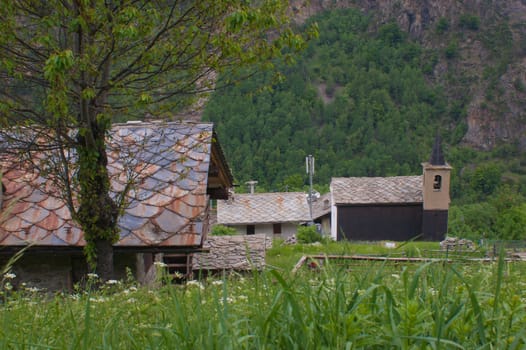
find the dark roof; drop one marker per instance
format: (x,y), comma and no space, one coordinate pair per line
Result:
(377,190)
(437,156)
(167,206)
(259,208)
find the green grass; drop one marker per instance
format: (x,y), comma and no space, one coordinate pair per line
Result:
(367,305)
(284,256)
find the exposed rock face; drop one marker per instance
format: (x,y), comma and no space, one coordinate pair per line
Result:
(492,68)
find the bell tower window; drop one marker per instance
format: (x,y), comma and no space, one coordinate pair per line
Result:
(437,183)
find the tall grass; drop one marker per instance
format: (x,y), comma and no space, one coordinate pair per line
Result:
(362,306)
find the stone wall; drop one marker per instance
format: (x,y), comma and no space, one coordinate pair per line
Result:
(241,253)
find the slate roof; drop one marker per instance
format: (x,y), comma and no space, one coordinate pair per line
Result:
(377,190)
(169,164)
(321,206)
(261,208)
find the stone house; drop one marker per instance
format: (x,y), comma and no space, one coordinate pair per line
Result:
(175,168)
(274,214)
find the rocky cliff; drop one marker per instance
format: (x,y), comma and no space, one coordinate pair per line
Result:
(479,57)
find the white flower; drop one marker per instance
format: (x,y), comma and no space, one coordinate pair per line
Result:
(8,286)
(98,300)
(9,276)
(131,300)
(217,283)
(33,289)
(93,275)
(112,282)
(160,264)
(194,283)
(394,275)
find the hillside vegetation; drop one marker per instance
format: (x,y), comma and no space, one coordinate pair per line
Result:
(363,101)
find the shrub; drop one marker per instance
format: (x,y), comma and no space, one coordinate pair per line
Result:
(308,234)
(220,230)
(469,21)
(442,25)
(452,50)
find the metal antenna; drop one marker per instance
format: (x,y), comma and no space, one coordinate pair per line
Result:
(309,166)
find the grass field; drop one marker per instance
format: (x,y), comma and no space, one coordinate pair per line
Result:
(364,305)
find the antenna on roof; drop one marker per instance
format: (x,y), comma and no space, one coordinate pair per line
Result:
(252,185)
(309,165)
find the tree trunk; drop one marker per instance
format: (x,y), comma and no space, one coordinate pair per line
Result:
(104,259)
(98,212)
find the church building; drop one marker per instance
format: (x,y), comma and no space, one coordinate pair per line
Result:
(395,208)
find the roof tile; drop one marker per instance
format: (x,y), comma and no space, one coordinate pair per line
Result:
(175,158)
(263,208)
(370,190)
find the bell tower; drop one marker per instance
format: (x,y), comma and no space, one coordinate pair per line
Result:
(437,175)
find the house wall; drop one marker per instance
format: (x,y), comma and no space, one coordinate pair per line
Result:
(325,222)
(53,272)
(434,225)
(43,271)
(378,222)
(287,229)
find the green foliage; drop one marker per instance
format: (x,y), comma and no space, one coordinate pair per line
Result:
(511,223)
(221,230)
(451,50)
(308,234)
(500,216)
(442,26)
(469,21)
(486,178)
(380,118)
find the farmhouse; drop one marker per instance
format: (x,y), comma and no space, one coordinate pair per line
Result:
(274,214)
(393,208)
(173,168)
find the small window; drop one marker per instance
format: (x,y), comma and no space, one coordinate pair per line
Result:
(251,229)
(437,183)
(277,229)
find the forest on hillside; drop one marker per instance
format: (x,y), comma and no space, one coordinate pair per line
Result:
(363,103)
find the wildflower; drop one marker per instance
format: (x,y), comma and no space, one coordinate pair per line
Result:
(160,264)
(178,275)
(217,283)
(112,282)
(8,286)
(132,289)
(9,276)
(93,276)
(131,300)
(33,289)
(194,283)
(98,300)
(394,275)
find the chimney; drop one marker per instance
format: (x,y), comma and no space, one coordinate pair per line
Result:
(252,185)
